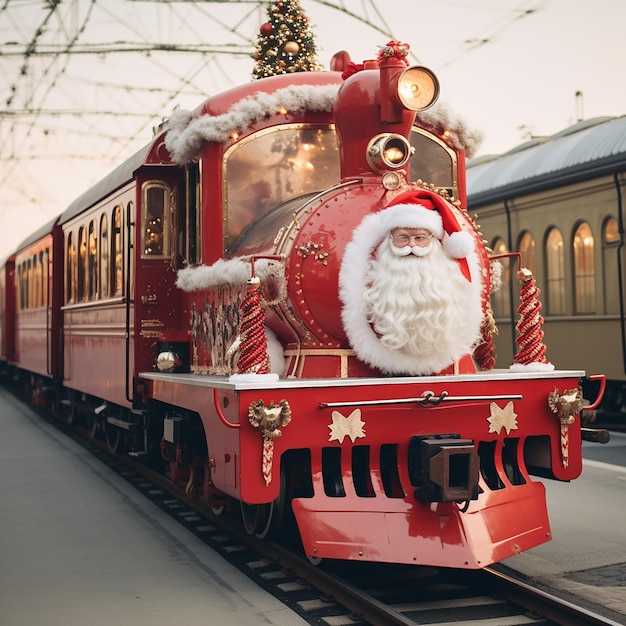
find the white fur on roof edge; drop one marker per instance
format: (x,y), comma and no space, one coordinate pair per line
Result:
(185,133)
(235,271)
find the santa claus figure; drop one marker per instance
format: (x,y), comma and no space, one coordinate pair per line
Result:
(410,286)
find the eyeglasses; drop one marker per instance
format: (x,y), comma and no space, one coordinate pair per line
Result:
(404,240)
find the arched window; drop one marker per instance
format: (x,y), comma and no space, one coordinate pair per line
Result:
(610,231)
(70,269)
(526,247)
(32,287)
(116,253)
(82,264)
(35,283)
(584,270)
(610,240)
(26,283)
(500,300)
(555,272)
(47,278)
(104,256)
(92,263)
(41,279)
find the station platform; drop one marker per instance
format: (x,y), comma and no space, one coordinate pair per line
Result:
(587,554)
(78,545)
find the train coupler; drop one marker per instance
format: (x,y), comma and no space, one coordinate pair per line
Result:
(444,468)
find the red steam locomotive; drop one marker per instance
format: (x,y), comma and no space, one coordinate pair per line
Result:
(215,302)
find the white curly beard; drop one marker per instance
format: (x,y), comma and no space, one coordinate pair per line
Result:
(417,305)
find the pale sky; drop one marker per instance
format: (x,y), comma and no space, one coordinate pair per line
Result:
(510,68)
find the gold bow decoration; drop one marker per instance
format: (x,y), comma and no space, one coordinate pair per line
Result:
(269,420)
(566,406)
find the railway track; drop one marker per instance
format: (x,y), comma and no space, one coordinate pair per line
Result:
(342,593)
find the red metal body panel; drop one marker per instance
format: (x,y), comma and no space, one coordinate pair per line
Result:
(502,525)
(7,311)
(95,350)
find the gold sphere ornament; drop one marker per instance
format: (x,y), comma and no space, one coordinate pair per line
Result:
(291,47)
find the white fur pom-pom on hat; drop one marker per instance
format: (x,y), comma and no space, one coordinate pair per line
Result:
(459,244)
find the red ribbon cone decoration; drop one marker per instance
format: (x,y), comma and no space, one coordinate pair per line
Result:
(530,346)
(253,358)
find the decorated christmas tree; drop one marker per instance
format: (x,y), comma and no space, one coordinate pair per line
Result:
(285,43)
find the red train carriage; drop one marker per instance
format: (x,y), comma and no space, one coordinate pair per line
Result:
(217,300)
(7,313)
(35,302)
(112,274)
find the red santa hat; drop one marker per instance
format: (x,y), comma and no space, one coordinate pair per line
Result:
(424,209)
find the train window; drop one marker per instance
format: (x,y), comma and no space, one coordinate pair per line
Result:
(38,273)
(584,270)
(25,282)
(433,162)
(18,284)
(103,261)
(500,300)
(155,220)
(41,288)
(555,272)
(35,284)
(70,269)
(47,278)
(82,264)
(188,214)
(116,253)
(272,167)
(526,248)
(92,263)
(29,282)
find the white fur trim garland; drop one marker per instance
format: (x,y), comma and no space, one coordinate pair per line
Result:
(411,216)
(441,118)
(235,271)
(352,281)
(185,135)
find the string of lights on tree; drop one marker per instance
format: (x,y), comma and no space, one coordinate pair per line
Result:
(285,43)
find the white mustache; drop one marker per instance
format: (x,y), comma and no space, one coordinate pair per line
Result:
(406,250)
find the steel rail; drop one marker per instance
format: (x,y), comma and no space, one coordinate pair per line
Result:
(542,602)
